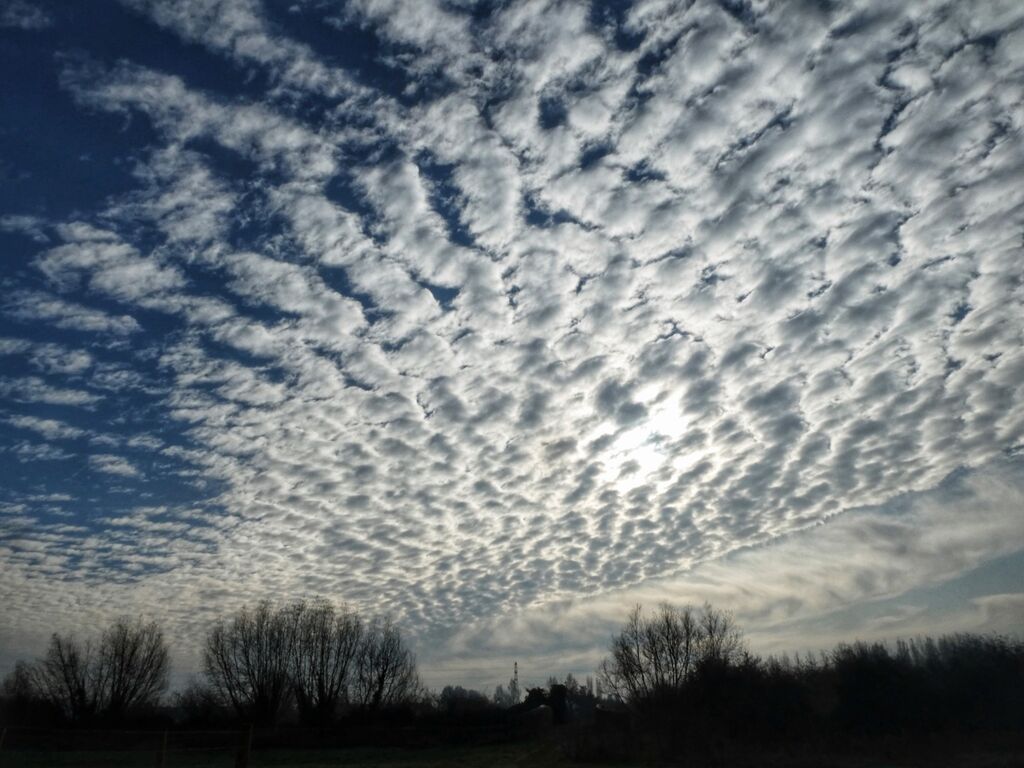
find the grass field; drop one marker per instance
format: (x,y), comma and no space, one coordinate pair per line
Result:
(515,755)
(503,756)
(500,756)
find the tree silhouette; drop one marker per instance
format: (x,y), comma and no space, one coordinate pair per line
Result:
(133,664)
(386,669)
(325,654)
(127,668)
(66,677)
(654,656)
(247,660)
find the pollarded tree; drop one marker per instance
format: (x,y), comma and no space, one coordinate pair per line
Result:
(247,660)
(324,658)
(386,670)
(654,656)
(66,677)
(132,664)
(322,655)
(126,669)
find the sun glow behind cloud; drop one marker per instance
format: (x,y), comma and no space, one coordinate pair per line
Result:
(638,452)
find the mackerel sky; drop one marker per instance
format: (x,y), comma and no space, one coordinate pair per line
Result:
(503,316)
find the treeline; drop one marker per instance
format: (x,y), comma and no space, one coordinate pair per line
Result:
(310,659)
(109,679)
(693,691)
(677,684)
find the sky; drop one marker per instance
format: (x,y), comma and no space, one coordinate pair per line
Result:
(501,317)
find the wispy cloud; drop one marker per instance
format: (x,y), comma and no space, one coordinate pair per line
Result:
(30,307)
(51,429)
(20,14)
(113,465)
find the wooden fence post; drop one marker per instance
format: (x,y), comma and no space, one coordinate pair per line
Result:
(161,757)
(242,759)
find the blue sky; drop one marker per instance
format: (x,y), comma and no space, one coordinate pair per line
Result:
(502,316)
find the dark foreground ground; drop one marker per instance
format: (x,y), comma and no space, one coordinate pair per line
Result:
(518,755)
(500,756)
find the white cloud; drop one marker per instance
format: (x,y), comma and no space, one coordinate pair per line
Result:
(32,389)
(109,266)
(238,30)
(29,307)
(24,15)
(113,465)
(788,594)
(33,226)
(51,429)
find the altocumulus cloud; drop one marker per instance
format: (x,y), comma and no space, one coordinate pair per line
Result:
(500,316)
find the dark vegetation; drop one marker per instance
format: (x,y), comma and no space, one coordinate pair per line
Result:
(677,685)
(309,655)
(692,690)
(106,681)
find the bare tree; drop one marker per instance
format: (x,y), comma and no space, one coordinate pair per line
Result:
(66,677)
(721,638)
(132,664)
(386,669)
(324,658)
(126,669)
(247,660)
(21,701)
(19,684)
(322,655)
(655,656)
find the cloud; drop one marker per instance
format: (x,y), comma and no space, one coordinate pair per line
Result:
(32,389)
(531,309)
(113,465)
(23,15)
(799,592)
(111,267)
(30,307)
(239,31)
(1002,610)
(50,429)
(32,226)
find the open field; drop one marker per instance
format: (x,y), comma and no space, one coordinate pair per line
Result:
(500,756)
(521,755)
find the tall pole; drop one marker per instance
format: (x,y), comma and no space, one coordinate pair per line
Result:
(161,758)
